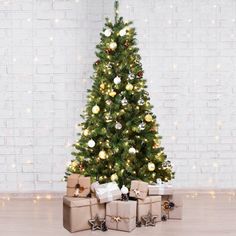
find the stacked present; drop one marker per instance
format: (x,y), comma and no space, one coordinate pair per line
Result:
(104,206)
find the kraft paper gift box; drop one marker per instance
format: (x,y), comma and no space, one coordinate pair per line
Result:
(77,212)
(121,215)
(78,185)
(138,189)
(151,205)
(160,189)
(107,192)
(172,206)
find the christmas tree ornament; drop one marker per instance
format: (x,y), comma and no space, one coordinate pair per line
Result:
(112,93)
(113,46)
(97,62)
(118,126)
(95,109)
(86,132)
(107,32)
(148,118)
(124,193)
(151,166)
(122,32)
(91,143)
(131,76)
(126,44)
(124,102)
(102,154)
(141,102)
(129,87)
(132,150)
(140,74)
(149,219)
(142,126)
(117,80)
(97,223)
(108,102)
(102,86)
(114,177)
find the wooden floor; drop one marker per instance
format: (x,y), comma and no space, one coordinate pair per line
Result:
(204,215)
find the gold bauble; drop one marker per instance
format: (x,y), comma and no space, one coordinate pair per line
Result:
(114,177)
(112,94)
(113,45)
(129,87)
(148,118)
(151,166)
(95,109)
(102,154)
(86,132)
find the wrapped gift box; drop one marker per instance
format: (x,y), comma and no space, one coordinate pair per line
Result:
(160,189)
(107,192)
(77,212)
(151,205)
(121,215)
(139,189)
(172,206)
(78,185)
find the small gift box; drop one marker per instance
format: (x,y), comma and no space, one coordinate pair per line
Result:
(107,192)
(139,189)
(172,206)
(121,215)
(160,189)
(78,186)
(78,211)
(150,205)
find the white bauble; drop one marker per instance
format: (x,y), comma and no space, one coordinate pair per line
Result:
(107,32)
(124,190)
(91,143)
(151,166)
(122,32)
(95,109)
(113,45)
(114,177)
(102,154)
(118,125)
(132,150)
(142,126)
(117,80)
(124,102)
(141,102)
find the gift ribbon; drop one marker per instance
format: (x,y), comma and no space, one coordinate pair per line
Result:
(150,205)
(136,191)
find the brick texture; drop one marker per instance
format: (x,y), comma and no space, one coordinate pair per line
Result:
(188,51)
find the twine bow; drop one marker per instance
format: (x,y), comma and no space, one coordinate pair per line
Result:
(136,192)
(116,219)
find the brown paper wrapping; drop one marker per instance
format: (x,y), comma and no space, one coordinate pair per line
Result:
(78,181)
(139,189)
(77,212)
(121,215)
(175,213)
(150,204)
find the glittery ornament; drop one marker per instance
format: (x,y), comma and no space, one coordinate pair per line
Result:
(107,32)
(117,80)
(129,87)
(148,118)
(95,109)
(118,125)
(151,166)
(124,102)
(91,143)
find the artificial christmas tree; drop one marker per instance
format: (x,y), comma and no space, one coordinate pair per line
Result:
(119,139)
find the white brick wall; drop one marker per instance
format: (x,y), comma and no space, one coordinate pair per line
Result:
(46,54)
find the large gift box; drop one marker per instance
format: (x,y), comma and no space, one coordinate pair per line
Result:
(107,192)
(121,215)
(172,206)
(78,186)
(150,205)
(77,212)
(138,189)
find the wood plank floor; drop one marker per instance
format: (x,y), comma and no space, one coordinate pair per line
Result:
(204,215)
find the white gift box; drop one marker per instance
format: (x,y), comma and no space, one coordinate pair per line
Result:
(107,192)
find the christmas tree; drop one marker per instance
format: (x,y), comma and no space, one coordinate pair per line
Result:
(119,139)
